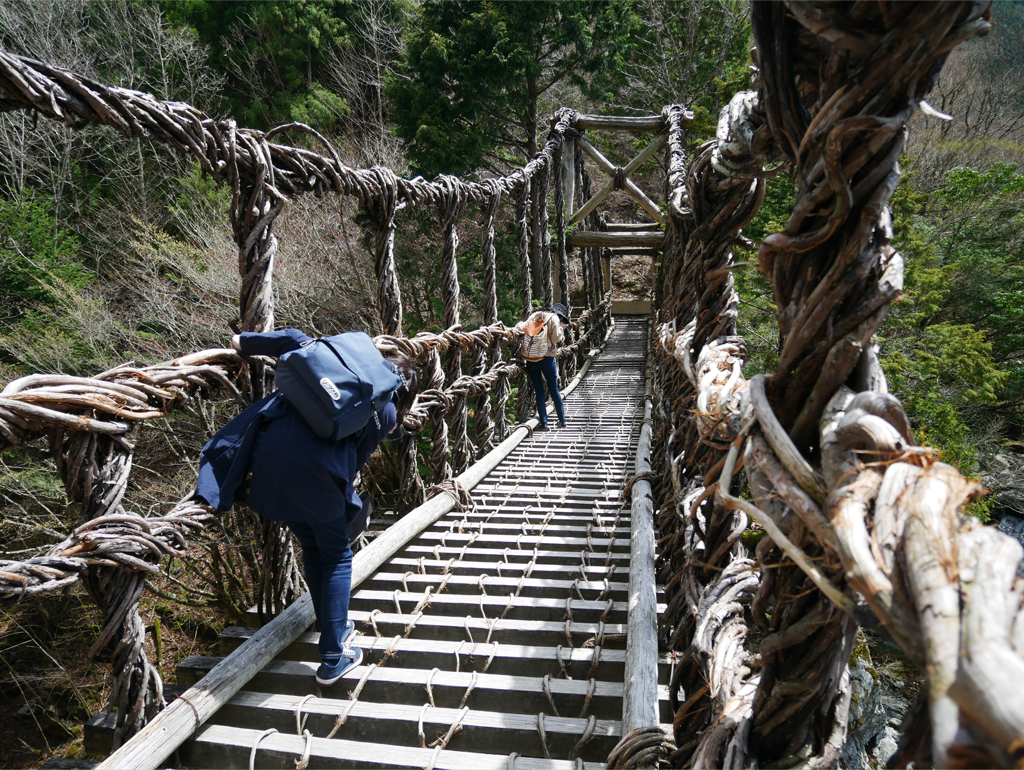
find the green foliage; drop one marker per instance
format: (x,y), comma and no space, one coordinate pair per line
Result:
(318,107)
(273,54)
(690,52)
(947,343)
(36,256)
(757,313)
(982,240)
(475,73)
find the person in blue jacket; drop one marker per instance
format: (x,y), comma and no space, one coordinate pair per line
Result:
(304,481)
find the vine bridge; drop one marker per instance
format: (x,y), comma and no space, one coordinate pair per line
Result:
(583,596)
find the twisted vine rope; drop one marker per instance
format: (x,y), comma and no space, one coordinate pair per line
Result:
(862,526)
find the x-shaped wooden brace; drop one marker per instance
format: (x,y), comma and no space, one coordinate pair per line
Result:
(622,173)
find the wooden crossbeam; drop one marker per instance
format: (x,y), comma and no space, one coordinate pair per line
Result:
(634,251)
(584,238)
(631,227)
(620,123)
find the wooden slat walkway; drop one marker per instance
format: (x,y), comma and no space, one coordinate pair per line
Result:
(494,639)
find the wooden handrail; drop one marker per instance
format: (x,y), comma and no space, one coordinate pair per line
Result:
(640,679)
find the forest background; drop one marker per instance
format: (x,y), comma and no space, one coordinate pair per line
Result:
(114,250)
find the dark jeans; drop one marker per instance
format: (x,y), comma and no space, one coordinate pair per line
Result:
(327,560)
(546,369)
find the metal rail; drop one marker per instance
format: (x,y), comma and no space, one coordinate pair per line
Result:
(496,638)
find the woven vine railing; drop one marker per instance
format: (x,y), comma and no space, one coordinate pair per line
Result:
(862,527)
(85,424)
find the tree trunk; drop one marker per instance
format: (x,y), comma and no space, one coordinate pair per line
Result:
(536,271)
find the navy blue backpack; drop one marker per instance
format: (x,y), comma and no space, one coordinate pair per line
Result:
(338,383)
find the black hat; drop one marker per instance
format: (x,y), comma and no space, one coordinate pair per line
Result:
(561,311)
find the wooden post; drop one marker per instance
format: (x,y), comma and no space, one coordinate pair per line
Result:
(568,176)
(640,681)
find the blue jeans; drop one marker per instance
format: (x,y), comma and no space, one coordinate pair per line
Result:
(327,560)
(546,369)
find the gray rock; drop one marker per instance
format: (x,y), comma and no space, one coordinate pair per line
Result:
(1003,473)
(876,711)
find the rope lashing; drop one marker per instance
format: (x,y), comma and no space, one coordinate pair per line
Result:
(300,724)
(255,746)
(543,735)
(382,208)
(588,734)
(353,698)
(642,747)
(453,729)
(456,491)
(546,686)
(545,237)
(474,677)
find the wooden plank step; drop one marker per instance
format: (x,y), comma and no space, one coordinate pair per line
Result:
(579,489)
(576,491)
(525,660)
(533,515)
(528,632)
(513,489)
(521,542)
(533,525)
(550,588)
(511,606)
(475,629)
(594,572)
(604,448)
(588,459)
(439,551)
(395,724)
(224,746)
(541,500)
(609,449)
(392,684)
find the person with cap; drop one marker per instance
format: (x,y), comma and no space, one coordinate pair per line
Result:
(543,332)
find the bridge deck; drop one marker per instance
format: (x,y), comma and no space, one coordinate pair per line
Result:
(497,631)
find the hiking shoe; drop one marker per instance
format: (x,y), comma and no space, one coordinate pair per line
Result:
(329,673)
(542,426)
(561,423)
(350,628)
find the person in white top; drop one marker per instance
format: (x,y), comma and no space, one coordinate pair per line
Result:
(542,334)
